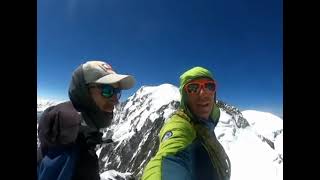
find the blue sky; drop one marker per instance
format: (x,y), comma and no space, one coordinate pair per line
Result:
(240,41)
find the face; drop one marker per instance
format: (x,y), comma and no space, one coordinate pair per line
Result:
(200,96)
(106,104)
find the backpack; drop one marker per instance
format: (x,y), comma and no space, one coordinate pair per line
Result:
(67,148)
(58,152)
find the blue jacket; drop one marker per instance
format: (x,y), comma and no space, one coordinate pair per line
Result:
(58,163)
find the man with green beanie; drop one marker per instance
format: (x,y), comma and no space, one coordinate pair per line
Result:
(189,149)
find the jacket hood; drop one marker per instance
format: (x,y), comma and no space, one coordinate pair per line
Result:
(82,101)
(194,73)
(58,126)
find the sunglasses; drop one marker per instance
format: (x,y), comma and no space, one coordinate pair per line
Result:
(108,91)
(195,86)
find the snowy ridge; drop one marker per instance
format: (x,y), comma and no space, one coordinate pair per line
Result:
(145,109)
(135,124)
(251,158)
(43,104)
(267,124)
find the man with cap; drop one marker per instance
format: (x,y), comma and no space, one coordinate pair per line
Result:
(94,90)
(189,149)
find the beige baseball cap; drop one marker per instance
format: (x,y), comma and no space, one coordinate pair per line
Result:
(102,73)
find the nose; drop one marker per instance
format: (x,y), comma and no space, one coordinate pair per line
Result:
(202,91)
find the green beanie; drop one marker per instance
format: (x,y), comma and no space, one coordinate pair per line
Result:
(191,74)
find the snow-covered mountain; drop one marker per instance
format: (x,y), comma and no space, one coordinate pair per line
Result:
(136,124)
(252,139)
(251,149)
(267,126)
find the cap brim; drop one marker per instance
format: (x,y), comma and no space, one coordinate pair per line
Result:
(126,81)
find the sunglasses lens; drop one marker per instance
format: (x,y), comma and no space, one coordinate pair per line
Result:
(193,88)
(107,90)
(210,86)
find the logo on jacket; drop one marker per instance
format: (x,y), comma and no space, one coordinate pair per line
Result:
(167,135)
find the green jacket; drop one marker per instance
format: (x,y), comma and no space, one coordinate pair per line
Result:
(189,149)
(184,154)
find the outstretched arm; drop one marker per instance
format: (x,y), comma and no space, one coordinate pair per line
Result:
(171,160)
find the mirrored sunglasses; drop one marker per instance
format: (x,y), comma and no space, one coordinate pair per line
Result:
(195,86)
